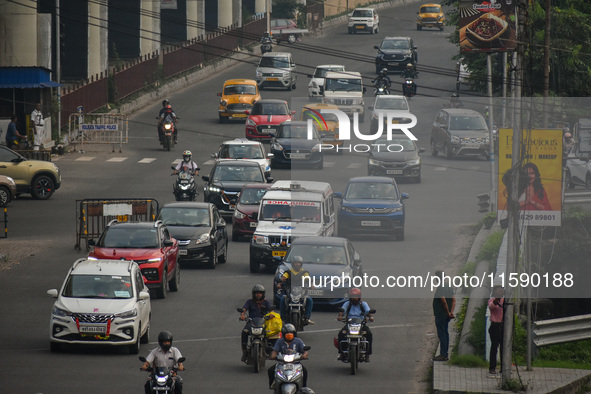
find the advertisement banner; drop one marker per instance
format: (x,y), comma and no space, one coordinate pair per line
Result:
(540,180)
(488,26)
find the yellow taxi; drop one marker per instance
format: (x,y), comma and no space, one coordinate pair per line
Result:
(326,124)
(430,15)
(237,96)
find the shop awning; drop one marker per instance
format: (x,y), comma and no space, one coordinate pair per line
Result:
(26,77)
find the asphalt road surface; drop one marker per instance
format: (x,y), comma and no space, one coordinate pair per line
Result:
(440,214)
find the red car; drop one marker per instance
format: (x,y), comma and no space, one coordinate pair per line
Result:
(147,243)
(249,200)
(265,118)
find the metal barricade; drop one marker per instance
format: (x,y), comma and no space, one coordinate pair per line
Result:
(566,329)
(98,129)
(42,154)
(93,215)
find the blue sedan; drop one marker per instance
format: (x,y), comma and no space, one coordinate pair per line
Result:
(372,205)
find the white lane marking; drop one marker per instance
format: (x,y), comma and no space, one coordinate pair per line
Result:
(329,164)
(440,169)
(117,159)
(85,158)
(355,165)
(177,161)
(146,160)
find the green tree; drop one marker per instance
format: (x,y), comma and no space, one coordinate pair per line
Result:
(285,9)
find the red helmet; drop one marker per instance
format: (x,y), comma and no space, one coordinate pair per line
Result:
(355,293)
(168,108)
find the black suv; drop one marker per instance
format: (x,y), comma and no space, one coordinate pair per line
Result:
(227,179)
(395,53)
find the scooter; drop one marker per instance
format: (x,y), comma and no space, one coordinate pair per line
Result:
(163,379)
(185,187)
(355,345)
(289,373)
(409,87)
(381,88)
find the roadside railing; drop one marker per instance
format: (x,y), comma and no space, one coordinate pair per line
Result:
(563,330)
(98,129)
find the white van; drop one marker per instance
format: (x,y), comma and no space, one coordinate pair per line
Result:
(290,209)
(345,90)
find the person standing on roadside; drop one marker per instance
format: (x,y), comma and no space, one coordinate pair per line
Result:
(444,303)
(495,305)
(38,126)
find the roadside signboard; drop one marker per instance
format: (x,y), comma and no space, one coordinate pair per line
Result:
(487,26)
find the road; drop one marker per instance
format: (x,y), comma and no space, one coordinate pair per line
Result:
(440,214)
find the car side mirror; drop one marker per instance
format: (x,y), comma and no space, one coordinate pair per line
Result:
(376,47)
(415,48)
(404,196)
(219,94)
(309,76)
(221,224)
(269,179)
(205,178)
(421,150)
(293,113)
(364,90)
(168,242)
(338,195)
(270,155)
(52,293)
(144,295)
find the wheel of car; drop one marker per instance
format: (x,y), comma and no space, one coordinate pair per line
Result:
(372,31)
(222,118)
(175,283)
(400,235)
(4,196)
(320,165)
(418,179)
(161,291)
(42,187)
(213,259)
(440,28)
(146,337)
(419,27)
(223,258)
(433,148)
(447,151)
(255,266)
(377,29)
(292,38)
(289,87)
(294,86)
(134,348)
(588,181)
(350,31)
(55,347)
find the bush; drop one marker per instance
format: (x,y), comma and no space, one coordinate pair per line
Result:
(490,249)
(469,361)
(476,338)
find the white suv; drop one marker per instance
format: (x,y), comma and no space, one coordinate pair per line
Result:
(316,85)
(243,149)
(102,302)
(364,19)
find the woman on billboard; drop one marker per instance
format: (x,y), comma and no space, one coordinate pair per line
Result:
(533,196)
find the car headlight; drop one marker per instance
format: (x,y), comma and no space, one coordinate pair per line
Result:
(316,148)
(10,179)
(261,239)
(250,122)
(347,209)
(239,215)
(455,139)
(285,75)
(439,17)
(214,189)
(203,239)
(155,260)
(277,146)
(127,314)
(259,74)
(398,209)
(414,162)
(419,17)
(223,103)
(60,312)
(314,84)
(374,162)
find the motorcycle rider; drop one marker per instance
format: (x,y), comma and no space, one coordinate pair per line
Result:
(257,306)
(293,276)
(165,355)
(187,164)
(266,40)
(410,73)
(455,102)
(355,308)
(167,115)
(288,341)
(382,77)
(12,134)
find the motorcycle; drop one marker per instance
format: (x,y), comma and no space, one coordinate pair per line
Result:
(185,187)
(266,47)
(168,137)
(409,87)
(21,144)
(289,373)
(163,379)
(296,306)
(257,343)
(381,88)
(355,344)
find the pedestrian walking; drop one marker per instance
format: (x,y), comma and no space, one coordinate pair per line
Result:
(495,305)
(38,126)
(444,303)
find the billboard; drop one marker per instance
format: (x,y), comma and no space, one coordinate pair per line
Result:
(540,181)
(488,26)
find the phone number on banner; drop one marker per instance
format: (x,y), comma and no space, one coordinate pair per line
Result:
(540,218)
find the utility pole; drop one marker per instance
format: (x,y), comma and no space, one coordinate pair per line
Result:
(493,194)
(546,62)
(268,9)
(58,54)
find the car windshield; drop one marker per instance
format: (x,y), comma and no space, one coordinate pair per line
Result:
(308,114)
(295,211)
(239,89)
(252,196)
(295,131)
(321,72)
(371,191)
(396,103)
(318,254)
(269,109)
(382,145)
(430,10)
(121,237)
(362,14)
(395,44)
(343,84)
(189,217)
(274,62)
(241,152)
(467,123)
(98,286)
(238,174)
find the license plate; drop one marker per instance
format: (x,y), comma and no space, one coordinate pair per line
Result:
(473,146)
(394,63)
(279,253)
(360,27)
(288,367)
(253,224)
(394,172)
(267,131)
(239,115)
(93,329)
(298,155)
(371,223)
(183,252)
(272,79)
(313,292)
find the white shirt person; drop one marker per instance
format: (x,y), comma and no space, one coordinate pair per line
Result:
(38,126)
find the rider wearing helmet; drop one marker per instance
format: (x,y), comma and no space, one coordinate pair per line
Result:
(294,277)
(187,164)
(288,341)
(167,356)
(382,77)
(355,308)
(410,73)
(167,114)
(257,306)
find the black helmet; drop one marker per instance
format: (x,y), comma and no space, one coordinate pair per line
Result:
(165,336)
(288,329)
(165,102)
(258,289)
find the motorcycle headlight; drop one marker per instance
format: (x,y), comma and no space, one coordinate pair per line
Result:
(261,239)
(277,146)
(455,139)
(60,312)
(203,239)
(167,126)
(239,215)
(250,122)
(127,314)
(257,330)
(161,380)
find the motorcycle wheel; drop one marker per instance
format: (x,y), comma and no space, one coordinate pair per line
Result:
(353,358)
(166,143)
(296,321)
(256,353)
